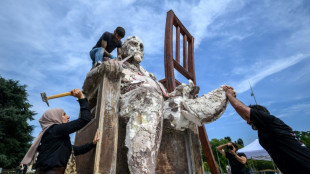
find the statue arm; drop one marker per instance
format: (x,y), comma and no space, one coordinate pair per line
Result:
(207,108)
(184,110)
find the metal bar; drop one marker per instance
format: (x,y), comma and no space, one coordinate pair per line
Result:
(177,22)
(177,45)
(181,69)
(192,152)
(188,154)
(191,58)
(185,52)
(169,69)
(188,70)
(207,150)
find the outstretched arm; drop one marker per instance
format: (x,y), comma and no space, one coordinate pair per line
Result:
(241,109)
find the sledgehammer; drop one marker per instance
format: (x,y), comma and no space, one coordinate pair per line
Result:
(45,99)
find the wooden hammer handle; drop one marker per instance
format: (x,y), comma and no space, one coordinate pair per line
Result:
(59,95)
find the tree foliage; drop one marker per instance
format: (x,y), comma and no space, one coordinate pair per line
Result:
(220,159)
(261,164)
(227,138)
(304,136)
(240,142)
(15,132)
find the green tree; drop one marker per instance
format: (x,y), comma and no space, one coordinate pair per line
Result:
(227,138)
(304,136)
(220,159)
(260,164)
(240,142)
(15,132)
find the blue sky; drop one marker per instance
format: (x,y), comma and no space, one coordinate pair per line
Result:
(45,45)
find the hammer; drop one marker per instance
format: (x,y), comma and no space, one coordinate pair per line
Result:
(45,99)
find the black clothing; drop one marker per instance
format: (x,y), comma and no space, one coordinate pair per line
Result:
(55,146)
(25,169)
(280,142)
(236,166)
(111,44)
(58,170)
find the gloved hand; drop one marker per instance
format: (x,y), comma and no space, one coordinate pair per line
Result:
(112,57)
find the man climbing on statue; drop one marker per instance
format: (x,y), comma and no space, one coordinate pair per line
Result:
(106,44)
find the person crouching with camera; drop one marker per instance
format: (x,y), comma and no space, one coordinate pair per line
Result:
(236,160)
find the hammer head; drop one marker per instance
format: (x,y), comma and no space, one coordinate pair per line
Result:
(44,98)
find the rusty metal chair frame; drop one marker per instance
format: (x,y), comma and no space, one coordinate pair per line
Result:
(187,70)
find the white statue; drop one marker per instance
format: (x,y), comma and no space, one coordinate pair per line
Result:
(142,103)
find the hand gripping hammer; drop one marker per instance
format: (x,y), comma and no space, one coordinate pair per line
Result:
(45,98)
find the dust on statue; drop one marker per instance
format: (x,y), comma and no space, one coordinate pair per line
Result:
(144,104)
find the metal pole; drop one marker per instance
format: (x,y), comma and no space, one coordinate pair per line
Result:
(253,164)
(207,150)
(273,165)
(219,162)
(252,93)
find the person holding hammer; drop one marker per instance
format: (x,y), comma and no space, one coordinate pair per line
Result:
(53,143)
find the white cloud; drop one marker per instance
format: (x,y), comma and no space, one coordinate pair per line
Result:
(204,14)
(198,16)
(259,71)
(296,108)
(300,39)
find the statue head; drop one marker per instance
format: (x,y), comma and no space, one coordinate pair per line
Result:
(133,46)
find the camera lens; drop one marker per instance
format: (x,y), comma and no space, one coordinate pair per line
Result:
(230,148)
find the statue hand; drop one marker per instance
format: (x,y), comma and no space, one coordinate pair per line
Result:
(207,108)
(113,68)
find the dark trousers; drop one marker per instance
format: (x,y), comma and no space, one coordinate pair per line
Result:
(59,170)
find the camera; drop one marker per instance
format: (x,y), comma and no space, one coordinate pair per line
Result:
(230,147)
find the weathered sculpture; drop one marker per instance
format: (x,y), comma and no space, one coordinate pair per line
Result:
(143,108)
(185,111)
(142,103)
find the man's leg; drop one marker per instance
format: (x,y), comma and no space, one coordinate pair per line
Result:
(96,55)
